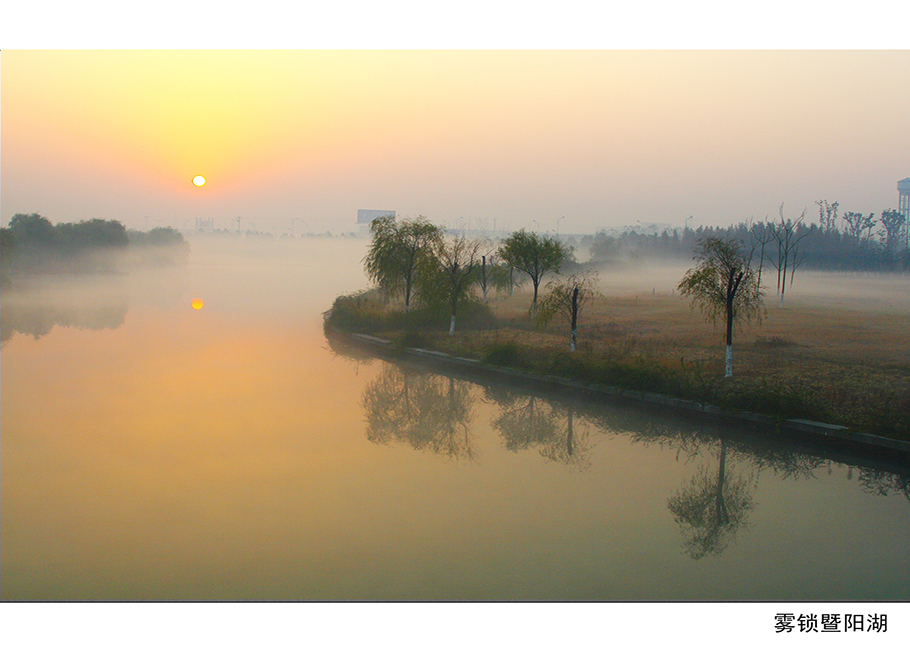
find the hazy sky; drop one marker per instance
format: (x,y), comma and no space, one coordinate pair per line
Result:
(597,138)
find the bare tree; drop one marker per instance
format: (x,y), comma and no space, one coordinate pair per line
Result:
(893,225)
(760,235)
(857,223)
(787,234)
(486,279)
(827,215)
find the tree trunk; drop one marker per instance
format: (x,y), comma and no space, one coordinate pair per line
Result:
(574,319)
(452,325)
(733,282)
(728,371)
(783,281)
(484,279)
(783,288)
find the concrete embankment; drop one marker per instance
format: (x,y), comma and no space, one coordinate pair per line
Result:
(838,434)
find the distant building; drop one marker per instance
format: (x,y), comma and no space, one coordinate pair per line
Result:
(205,225)
(366,216)
(903,205)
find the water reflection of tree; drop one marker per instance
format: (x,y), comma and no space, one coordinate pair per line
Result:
(691,439)
(560,431)
(426,411)
(531,421)
(38,320)
(881,482)
(712,508)
(347,352)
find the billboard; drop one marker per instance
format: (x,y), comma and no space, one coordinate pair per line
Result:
(366,216)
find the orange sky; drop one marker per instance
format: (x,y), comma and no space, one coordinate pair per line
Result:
(599,138)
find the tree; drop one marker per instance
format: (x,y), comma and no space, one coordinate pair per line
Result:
(857,223)
(760,234)
(32,229)
(827,215)
(7,250)
(158,246)
(95,244)
(398,252)
(566,298)
(533,254)
(604,248)
(451,272)
(893,224)
(723,285)
(488,269)
(787,234)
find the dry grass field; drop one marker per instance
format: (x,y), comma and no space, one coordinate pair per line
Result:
(839,346)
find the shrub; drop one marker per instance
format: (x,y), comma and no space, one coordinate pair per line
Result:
(507,354)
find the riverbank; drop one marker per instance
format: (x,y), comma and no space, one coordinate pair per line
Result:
(845,370)
(839,437)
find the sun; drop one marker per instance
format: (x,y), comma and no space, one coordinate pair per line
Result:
(198,180)
(196,303)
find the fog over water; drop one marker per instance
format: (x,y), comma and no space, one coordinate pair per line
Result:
(155,451)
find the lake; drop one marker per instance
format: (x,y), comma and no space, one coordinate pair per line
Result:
(152,451)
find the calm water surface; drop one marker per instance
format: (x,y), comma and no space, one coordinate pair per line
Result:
(152,451)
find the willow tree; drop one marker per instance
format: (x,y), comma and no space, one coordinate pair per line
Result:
(533,254)
(724,286)
(451,272)
(566,298)
(398,252)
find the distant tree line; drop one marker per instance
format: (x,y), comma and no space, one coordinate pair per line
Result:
(858,243)
(33,245)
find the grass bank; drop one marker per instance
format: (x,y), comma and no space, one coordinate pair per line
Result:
(837,366)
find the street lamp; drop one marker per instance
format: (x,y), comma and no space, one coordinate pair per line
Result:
(557,224)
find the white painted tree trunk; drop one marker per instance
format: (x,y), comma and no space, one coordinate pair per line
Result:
(572,343)
(729,371)
(452,325)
